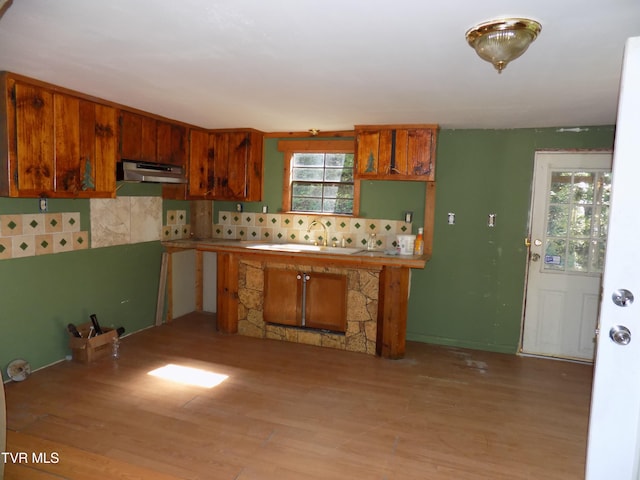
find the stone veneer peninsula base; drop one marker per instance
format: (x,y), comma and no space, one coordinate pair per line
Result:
(377,294)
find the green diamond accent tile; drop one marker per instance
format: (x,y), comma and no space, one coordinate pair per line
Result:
(72,221)
(279,235)
(387,227)
(357,225)
(328,223)
(266,235)
(218,231)
(292,236)
(2,248)
(63,242)
(273,220)
(12,225)
(300,221)
(185,231)
(372,226)
(44,244)
(33,224)
(23,246)
(287,221)
(349,241)
(363,242)
(248,219)
(261,219)
(229,232)
(241,232)
(306,237)
(342,224)
(181,217)
(80,240)
(403,228)
(224,217)
(236,218)
(253,234)
(166,233)
(176,231)
(53,222)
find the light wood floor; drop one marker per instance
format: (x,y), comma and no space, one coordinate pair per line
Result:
(296,412)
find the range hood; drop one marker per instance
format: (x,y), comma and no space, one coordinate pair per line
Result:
(136,171)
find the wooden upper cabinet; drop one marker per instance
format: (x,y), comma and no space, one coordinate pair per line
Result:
(225,164)
(137,137)
(58,145)
(86,143)
(171,143)
(396,152)
(201,179)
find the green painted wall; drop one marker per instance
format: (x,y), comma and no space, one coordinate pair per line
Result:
(470,294)
(40,295)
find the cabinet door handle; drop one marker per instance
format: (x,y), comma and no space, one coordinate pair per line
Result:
(299,277)
(307,278)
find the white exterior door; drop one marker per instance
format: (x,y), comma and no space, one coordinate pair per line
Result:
(570,211)
(613,447)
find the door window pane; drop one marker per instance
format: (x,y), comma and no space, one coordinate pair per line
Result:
(577,219)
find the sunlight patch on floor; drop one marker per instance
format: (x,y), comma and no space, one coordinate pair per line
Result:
(188,375)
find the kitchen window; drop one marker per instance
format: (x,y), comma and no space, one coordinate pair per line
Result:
(319,177)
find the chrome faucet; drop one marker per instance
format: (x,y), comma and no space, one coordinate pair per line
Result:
(324,227)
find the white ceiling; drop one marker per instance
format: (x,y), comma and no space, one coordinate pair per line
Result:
(293,65)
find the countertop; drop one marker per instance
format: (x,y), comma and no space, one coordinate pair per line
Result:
(363,258)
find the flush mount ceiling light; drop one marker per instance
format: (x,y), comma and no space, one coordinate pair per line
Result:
(501,41)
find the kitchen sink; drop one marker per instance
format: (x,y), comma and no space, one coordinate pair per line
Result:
(302,247)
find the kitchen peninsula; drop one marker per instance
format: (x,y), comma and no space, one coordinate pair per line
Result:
(375,288)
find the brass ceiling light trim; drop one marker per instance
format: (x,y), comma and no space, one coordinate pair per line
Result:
(501,41)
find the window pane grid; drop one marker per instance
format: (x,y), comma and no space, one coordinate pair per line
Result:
(322,182)
(577,218)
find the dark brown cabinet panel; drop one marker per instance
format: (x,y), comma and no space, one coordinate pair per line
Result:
(58,145)
(225,165)
(282,296)
(305,299)
(396,152)
(326,301)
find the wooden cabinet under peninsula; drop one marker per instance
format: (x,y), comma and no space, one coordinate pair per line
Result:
(396,152)
(57,144)
(305,299)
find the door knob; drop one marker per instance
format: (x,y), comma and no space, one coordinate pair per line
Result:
(620,335)
(622,297)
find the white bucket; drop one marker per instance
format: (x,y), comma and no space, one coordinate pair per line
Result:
(406,244)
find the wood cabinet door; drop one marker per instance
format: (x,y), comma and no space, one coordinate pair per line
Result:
(282,297)
(373,153)
(85,148)
(171,144)
(34,140)
(326,301)
(138,137)
(415,157)
(238,150)
(201,165)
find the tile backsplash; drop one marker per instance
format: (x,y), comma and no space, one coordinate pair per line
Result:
(287,227)
(27,235)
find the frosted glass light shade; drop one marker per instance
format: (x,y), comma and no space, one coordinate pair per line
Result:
(501,41)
